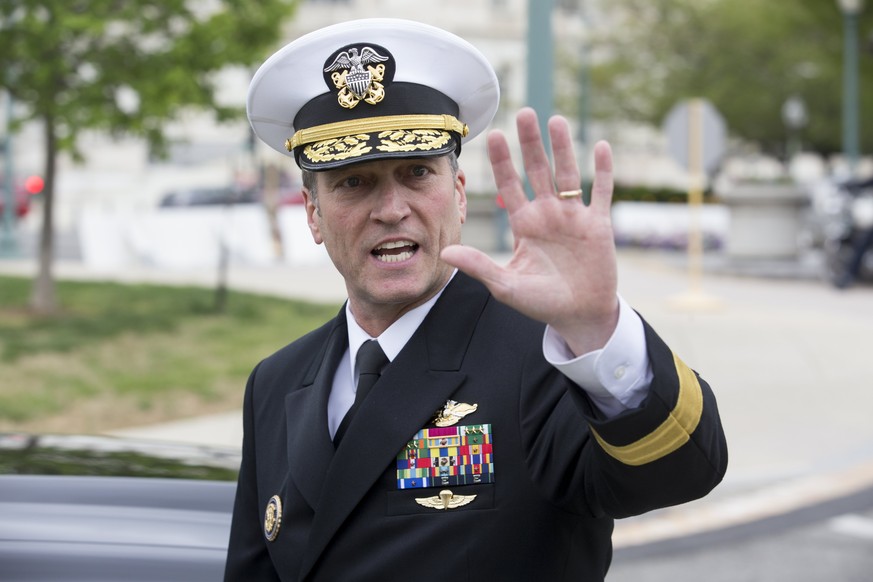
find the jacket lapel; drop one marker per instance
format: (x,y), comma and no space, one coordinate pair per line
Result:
(407,396)
(310,449)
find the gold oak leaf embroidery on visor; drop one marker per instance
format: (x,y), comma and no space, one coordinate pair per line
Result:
(413,141)
(338,149)
(674,432)
(398,140)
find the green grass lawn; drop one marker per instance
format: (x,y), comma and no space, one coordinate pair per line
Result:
(122,355)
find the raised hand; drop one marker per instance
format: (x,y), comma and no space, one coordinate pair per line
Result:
(563,267)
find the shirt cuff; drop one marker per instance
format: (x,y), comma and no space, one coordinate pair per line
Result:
(616,377)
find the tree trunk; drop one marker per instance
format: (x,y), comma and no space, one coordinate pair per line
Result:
(43,299)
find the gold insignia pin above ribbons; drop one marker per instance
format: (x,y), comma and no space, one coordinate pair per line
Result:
(445,500)
(273,518)
(452,412)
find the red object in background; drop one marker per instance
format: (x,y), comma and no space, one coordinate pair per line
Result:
(499,201)
(34,184)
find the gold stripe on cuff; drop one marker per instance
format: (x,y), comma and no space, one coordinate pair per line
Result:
(673,432)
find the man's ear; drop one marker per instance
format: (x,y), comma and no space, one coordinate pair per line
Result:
(461,192)
(312,216)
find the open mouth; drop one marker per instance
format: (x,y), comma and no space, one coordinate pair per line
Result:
(395,251)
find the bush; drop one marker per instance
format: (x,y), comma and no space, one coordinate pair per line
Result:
(624,193)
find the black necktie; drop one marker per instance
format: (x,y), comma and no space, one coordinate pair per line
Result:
(371,360)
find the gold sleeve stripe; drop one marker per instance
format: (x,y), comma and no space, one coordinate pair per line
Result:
(372,124)
(673,432)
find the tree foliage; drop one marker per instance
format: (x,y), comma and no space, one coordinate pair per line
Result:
(746,56)
(124,67)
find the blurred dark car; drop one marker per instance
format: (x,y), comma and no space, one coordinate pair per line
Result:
(101,508)
(284,195)
(208,196)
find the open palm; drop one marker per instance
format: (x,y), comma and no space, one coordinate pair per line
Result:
(563,267)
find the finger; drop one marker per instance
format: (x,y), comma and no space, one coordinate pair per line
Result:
(476,264)
(567,175)
(536,162)
(601,190)
(506,179)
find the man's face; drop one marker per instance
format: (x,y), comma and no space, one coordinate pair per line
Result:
(384,224)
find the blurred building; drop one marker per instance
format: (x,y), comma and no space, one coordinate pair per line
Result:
(119,181)
(120,173)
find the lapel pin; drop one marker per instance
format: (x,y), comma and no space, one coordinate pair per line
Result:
(445,500)
(273,518)
(452,412)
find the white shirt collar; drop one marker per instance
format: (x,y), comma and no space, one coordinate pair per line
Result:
(398,333)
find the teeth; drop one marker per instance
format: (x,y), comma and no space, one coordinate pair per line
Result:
(395,244)
(395,251)
(395,258)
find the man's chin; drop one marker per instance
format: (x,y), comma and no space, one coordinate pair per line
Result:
(407,289)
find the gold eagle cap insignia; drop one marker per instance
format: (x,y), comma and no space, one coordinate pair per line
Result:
(452,412)
(445,500)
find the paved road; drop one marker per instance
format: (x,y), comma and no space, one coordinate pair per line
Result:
(829,542)
(790,362)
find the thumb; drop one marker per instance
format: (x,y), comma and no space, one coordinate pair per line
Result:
(476,264)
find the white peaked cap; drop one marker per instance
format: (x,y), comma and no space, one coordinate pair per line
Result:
(369,89)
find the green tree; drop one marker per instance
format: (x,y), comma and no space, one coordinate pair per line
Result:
(746,56)
(123,67)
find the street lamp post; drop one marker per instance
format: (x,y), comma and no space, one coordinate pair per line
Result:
(795,118)
(540,61)
(850,9)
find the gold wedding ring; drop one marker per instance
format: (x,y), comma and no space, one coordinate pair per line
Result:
(569,194)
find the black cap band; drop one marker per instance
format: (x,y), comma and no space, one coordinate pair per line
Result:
(406,99)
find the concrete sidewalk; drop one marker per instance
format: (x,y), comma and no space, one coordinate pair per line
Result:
(789,360)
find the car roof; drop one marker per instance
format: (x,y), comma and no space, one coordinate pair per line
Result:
(102,508)
(113,528)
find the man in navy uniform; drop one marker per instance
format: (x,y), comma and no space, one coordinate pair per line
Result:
(504,415)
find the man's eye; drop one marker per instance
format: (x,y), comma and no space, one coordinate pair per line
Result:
(419,171)
(352,182)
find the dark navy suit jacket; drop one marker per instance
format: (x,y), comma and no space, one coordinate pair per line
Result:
(561,472)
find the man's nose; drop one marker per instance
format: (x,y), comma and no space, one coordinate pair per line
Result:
(391,205)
